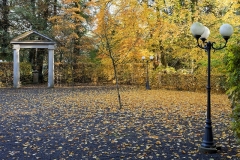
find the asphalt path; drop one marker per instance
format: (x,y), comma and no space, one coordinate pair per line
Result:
(35,125)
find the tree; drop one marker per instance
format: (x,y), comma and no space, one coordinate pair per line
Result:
(70,27)
(4,28)
(119,33)
(232,59)
(232,65)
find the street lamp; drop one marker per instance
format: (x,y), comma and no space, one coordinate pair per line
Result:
(201,32)
(147,77)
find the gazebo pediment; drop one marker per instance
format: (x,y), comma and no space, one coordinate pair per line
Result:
(31,36)
(32,39)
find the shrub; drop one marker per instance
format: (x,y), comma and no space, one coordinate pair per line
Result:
(232,62)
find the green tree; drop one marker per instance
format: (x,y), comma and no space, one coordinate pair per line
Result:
(232,60)
(4,28)
(232,68)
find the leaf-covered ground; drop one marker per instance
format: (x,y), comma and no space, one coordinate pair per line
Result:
(85,123)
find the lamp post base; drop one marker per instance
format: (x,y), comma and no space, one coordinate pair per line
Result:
(209,150)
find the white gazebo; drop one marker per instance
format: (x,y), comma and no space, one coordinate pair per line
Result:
(22,42)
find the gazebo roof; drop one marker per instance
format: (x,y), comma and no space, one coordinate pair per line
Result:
(38,38)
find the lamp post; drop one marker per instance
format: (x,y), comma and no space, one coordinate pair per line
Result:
(201,32)
(147,77)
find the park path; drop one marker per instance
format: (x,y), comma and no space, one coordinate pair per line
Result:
(84,123)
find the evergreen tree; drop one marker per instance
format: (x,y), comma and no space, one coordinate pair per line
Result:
(4,28)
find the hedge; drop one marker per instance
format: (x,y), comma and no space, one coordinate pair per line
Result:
(128,74)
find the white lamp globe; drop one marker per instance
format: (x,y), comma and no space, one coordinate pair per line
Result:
(226,30)
(205,34)
(143,57)
(197,29)
(151,57)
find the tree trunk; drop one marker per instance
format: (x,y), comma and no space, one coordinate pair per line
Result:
(116,78)
(39,61)
(163,59)
(55,8)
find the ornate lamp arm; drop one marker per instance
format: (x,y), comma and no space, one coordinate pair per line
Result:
(209,45)
(219,48)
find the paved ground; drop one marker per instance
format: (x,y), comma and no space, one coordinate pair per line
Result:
(40,123)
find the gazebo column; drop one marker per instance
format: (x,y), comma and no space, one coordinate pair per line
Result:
(51,66)
(16,72)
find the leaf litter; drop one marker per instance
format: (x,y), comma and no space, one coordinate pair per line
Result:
(85,123)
